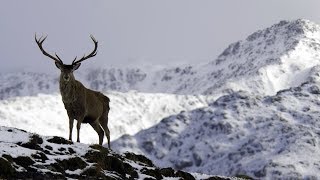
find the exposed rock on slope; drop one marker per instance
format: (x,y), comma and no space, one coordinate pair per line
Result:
(24,155)
(264,137)
(269,60)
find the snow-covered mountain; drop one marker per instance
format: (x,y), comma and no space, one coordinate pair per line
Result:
(33,83)
(265,62)
(249,132)
(271,137)
(265,130)
(272,59)
(130,112)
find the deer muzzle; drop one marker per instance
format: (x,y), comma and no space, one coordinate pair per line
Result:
(66,77)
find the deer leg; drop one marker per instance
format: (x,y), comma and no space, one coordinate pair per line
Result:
(70,128)
(96,126)
(78,130)
(104,123)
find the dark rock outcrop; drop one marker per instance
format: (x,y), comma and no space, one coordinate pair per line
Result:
(29,156)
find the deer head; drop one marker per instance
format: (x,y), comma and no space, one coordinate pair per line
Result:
(67,70)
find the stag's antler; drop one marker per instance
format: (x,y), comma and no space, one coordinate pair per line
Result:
(93,53)
(39,42)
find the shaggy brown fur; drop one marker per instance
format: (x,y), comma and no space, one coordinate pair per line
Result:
(81,103)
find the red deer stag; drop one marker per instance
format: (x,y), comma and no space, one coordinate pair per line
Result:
(81,103)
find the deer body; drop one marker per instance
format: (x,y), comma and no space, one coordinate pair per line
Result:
(84,105)
(81,103)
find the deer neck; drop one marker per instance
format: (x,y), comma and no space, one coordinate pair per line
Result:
(68,90)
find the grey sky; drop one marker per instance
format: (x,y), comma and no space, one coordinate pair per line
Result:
(131,33)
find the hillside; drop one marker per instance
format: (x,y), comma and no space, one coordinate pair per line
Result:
(272,59)
(130,112)
(267,137)
(24,155)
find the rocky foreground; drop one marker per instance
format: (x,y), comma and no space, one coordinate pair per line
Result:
(26,155)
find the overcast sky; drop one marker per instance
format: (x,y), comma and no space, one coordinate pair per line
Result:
(133,33)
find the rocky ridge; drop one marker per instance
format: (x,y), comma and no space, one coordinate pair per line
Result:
(24,155)
(265,137)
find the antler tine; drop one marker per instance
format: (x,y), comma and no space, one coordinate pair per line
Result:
(40,42)
(93,39)
(92,54)
(74,60)
(58,57)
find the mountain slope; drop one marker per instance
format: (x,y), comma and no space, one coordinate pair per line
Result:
(29,156)
(130,112)
(268,137)
(268,60)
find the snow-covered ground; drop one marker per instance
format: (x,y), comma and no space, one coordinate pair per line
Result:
(130,112)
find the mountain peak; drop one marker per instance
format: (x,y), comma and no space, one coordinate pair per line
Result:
(285,34)
(275,58)
(288,29)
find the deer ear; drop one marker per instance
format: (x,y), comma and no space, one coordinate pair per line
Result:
(58,65)
(76,66)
